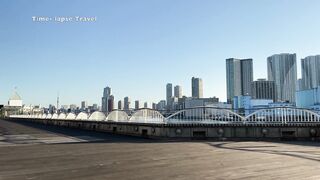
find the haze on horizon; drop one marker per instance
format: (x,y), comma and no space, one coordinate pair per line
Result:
(136,47)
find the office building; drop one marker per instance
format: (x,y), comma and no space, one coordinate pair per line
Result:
(239,77)
(169,95)
(120,105)
(263,89)
(106,95)
(154,106)
(308,98)
(127,102)
(178,91)
(145,105)
(84,105)
(110,103)
(245,105)
(282,69)
(197,102)
(299,85)
(197,87)
(161,105)
(310,72)
(73,107)
(137,104)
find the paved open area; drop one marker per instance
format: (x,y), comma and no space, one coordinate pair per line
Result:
(34,151)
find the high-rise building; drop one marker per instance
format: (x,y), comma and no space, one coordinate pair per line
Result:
(120,105)
(84,105)
(282,69)
(106,95)
(239,77)
(310,72)
(299,85)
(161,105)
(263,89)
(169,95)
(110,103)
(126,103)
(137,104)
(197,87)
(95,107)
(145,105)
(154,106)
(178,91)
(73,107)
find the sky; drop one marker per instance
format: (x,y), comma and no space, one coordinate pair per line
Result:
(136,47)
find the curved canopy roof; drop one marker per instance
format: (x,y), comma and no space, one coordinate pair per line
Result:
(71,116)
(82,116)
(55,116)
(97,116)
(62,116)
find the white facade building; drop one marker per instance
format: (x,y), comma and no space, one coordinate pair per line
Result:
(15,100)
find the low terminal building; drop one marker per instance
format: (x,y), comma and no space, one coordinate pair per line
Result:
(309,98)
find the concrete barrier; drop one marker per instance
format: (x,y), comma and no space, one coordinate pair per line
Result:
(193,131)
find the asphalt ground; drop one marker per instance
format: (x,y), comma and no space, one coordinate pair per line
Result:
(36,151)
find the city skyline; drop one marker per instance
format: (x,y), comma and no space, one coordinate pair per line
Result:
(179,44)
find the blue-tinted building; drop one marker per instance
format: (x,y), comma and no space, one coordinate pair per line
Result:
(308,98)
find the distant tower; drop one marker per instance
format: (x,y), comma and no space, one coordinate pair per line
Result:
(282,69)
(105,98)
(239,75)
(169,95)
(58,101)
(178,91)
(145,105)
(197,87)
(126,103)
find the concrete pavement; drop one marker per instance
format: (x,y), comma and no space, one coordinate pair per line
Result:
(34,151)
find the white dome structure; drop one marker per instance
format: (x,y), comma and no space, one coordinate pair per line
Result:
(118,116)
(55,116)
(62,116)
(49,116)
(71,116)
(97,116)
(82,116)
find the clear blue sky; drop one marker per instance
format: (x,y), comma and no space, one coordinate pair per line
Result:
(137,46)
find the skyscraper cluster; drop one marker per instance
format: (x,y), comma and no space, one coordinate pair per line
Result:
(172,96)
(178,101)
(281,86)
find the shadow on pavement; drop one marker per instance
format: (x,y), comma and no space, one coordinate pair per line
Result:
(275,149)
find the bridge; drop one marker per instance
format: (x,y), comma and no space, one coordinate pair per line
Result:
(197,115)
(279,122)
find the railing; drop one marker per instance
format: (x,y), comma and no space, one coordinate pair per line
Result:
(197,115)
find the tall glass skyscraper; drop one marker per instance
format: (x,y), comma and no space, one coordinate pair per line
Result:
(178,91)
(282,69)
(310,72)
(169,95)
(239,77)
(105,97)
(126,103)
